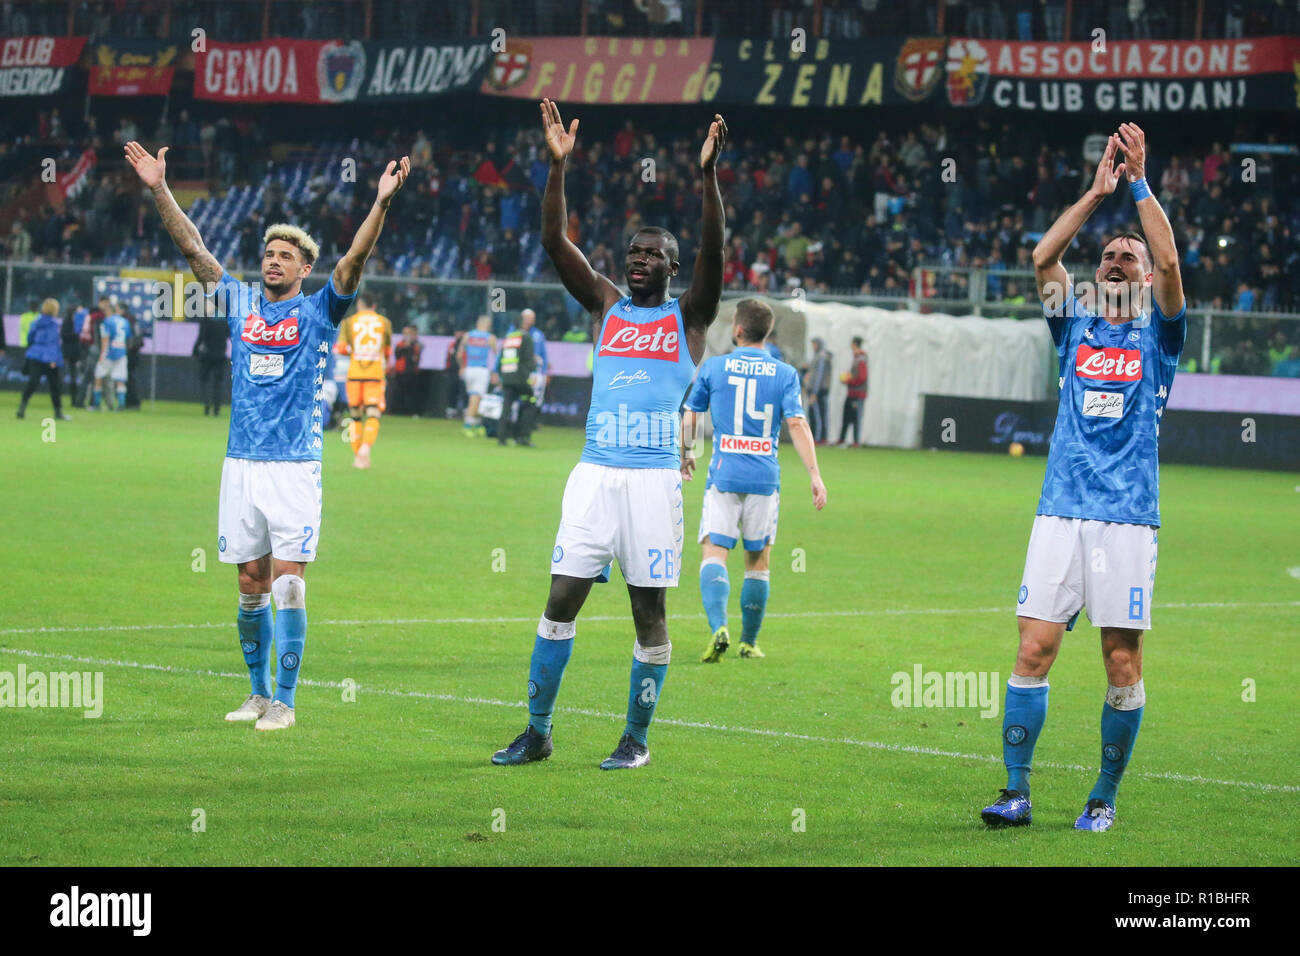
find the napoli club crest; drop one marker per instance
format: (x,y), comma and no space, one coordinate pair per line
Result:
(1016,735)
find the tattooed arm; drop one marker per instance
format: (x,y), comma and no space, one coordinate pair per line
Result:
(153,173)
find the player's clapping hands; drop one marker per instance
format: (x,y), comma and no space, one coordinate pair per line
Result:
(1108,173)
(1134,142)
(152,170)
(393,178)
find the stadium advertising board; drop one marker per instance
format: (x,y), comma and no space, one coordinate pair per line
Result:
(275,71)
(314,71)
(601,69)
(132,68)
(395,71)
(37,66)
(825,73)
(1188,437)
(1126,77)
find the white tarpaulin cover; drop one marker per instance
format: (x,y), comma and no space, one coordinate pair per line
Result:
(908,355)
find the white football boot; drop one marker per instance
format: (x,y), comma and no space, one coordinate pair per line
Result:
(251,709)
(279,716)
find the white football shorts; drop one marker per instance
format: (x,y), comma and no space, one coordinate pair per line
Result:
(269,507)
(111,368)
(1076,563)
(632,515)
(726,512)
(476,379)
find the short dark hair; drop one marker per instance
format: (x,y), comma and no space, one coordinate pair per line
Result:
(857,340)
(660,231)
(1136,237)
(755,319)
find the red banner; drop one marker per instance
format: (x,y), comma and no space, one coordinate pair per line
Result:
(132,68)
(76,179)
(275,71)
(601,69)
(35,66)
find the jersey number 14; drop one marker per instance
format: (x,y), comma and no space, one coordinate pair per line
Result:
(746,402)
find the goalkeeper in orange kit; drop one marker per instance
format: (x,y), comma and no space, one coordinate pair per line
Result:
(368,337)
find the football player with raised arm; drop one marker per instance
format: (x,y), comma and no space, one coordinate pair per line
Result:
(268,519)
(623,499)
(1093,542)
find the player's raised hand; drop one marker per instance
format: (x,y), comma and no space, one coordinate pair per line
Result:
(713,144)
(1134,142)
(559,142)
(152,170)
(393,178)
(1108,173)
(818,493)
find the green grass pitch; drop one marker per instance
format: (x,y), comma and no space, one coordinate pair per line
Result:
(432,571)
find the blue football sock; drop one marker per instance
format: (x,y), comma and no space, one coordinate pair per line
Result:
(551,651)
(290,638)
(96,398)
(1119,730)
(1023,718)
(715,589)
(121,398)
(256,630)
(753,604)
(646,684)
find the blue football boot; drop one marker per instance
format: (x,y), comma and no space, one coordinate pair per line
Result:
(1097,815)
(1012,809)
(527,747)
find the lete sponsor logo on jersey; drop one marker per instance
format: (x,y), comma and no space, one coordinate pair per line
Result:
(745,444)
(283,333)
(1108,364)
(649,340)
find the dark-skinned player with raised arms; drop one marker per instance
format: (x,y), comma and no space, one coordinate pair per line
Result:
(623,499)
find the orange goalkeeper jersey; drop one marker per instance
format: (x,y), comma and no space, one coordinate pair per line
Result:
(368,338)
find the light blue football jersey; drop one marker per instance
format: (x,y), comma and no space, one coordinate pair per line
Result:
(478,349)
(641,370)
(748,394)
(279,359)
(1103,463)
(118,331)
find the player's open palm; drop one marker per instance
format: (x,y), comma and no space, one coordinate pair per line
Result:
(1134,143)
(713,144)
(393,178)
(558,140)
(152,170)
(1108,173)
(819,494)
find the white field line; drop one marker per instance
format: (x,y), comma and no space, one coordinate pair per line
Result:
(392,622)
(670,721)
